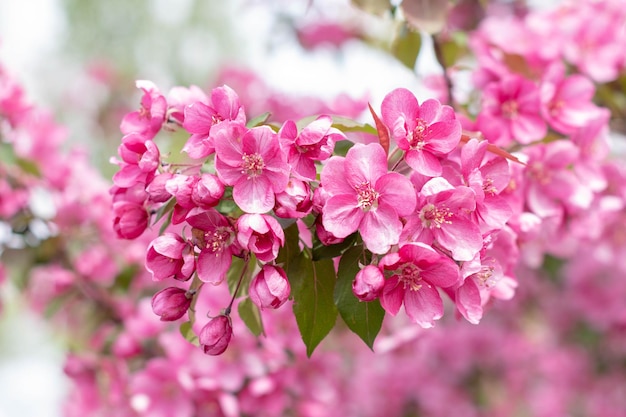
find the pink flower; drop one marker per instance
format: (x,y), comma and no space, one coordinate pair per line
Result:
(270,287)
(147,121)
(425,132)
(566,102)
(314,143)
(169,256)
(368,283)
(511,112)
(251,161)
(171,303)
(364,196)
(416,270)
(140,160)
(442,217)
(200,118)
(260,234)
(487,177)
(215,237)
(215,335)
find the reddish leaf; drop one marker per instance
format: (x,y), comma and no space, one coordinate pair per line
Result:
(495,150)
(383,132)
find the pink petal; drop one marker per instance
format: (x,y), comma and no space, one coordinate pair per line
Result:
(423,306)
(380,229)
(333,177)
(365,163)
(254,195)
(397,191)
(423,162)
(392,296)
(468,301)
(212,266)
(399,104)
(461,237)
(341,216)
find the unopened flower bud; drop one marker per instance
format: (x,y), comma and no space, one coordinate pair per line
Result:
(171,303)
(215,335)
(270,287)
(368,283)
(156,188)
(208,191)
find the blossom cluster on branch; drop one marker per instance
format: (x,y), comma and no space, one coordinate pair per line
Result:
(268,226)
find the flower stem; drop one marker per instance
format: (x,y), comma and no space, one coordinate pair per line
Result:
(243,273)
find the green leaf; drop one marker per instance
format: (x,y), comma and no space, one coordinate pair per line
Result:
(125,278)
(187,331)
(259,120)
(321,251)
(291,249)
(251,316)
(363,318)
(377,7)
(406,46)
(234,273)
(163,210)
(312,287)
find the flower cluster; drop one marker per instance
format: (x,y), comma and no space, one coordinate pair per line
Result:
(423,202)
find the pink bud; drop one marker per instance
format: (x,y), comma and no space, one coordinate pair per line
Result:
(270,287)
(368,283)
(130,221)
(208,191)
(181,186)
(215,335)
(171,303)
(324,235)
(156,188)
(295,202)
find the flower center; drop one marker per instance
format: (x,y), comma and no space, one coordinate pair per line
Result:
(433,216)
(488,187)
(510,109)
(367,196)
(216,118)
(252,164)
(219,239)
(417,138)
(485,276)
(410,277)
(539,173)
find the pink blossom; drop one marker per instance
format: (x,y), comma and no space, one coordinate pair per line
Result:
(364,196)
(511,112)
(252,162)
(200,118)
(140,159)
(416,270)
(181,97)
(215,238)
(171,303)
(295,201)
(260,234)
(131,219)
(159,390)
(270,287)
(441,216)
(157,191)
(147,121)
(208,191)
(487,177)
(215,335)
(170,256)
(368,283)
(314,143)
(425,132)
(566,102)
